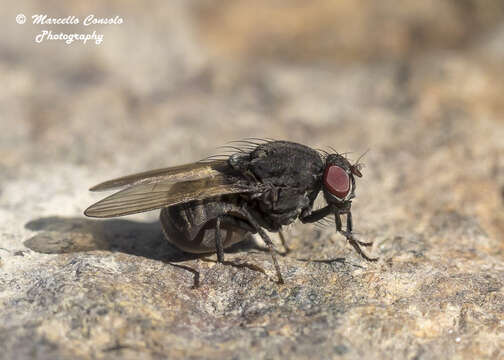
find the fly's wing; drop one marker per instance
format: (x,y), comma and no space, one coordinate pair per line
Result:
(185,172)
(157,192)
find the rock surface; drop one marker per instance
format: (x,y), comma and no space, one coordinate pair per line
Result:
(416,85)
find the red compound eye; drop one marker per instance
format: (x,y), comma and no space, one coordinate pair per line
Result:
(336,181)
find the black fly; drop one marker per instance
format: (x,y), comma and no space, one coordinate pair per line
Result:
(209,205)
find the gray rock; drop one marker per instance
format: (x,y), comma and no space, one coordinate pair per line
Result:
(165,88)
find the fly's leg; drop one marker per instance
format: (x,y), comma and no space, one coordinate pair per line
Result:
(240,224)
(284,243)
(337,220)
(218,241)
(316,215)
(327,210)
(349,231)
(356,244)
(349,222)
(268,242)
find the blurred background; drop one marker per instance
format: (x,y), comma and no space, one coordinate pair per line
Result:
(419,83)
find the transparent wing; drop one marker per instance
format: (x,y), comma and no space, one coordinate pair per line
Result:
(174,174)
(149,196)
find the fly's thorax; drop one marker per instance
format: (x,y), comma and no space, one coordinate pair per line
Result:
(286,164)
(290,175)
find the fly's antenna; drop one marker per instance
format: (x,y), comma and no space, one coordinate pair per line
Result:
(357,163)
(357,166)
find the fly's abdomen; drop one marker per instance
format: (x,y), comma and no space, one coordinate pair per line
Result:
(191,226)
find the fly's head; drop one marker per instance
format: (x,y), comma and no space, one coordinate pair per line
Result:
(339,181)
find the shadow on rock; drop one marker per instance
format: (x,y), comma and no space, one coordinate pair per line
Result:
(60,235)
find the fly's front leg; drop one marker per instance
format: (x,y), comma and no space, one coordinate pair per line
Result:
(327,210)
(349,227)
(316,215)
(337,220)
(267,240)
(218,241)
(356,244)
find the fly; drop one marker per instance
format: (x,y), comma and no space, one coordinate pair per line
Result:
(212,204)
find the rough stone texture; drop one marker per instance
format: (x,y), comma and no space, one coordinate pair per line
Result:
(419,84)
